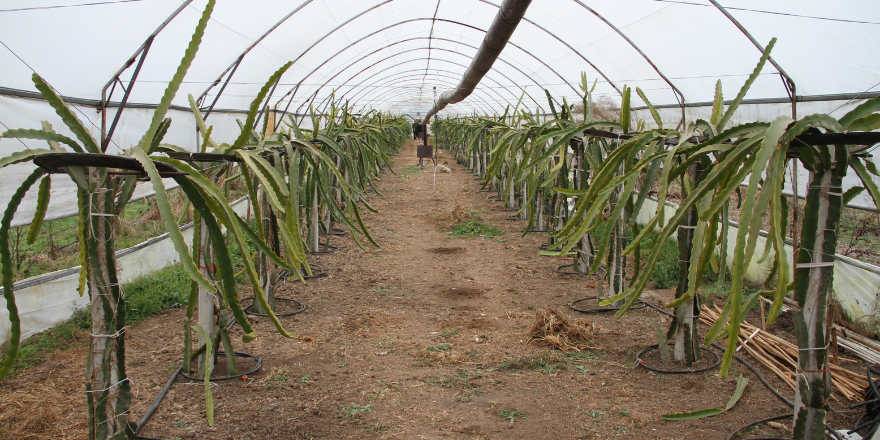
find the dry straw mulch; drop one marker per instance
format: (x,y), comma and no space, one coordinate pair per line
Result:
(556,330)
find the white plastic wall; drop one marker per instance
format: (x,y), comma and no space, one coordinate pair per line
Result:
(856,285)
(49,299)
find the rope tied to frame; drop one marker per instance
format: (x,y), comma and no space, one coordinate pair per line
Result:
(114,335)
(111,386)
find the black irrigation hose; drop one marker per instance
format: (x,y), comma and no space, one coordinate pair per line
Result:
(317,271)
(567,272)
(157,401)
(758,422)
(872,402)
(546,246)
(161,396)
(236,376)
(328,248)
(644,365)
(337,232)
(638,305)
(247,309)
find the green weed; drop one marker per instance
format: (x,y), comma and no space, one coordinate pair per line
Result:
(665,272)
(449,333)
(276,380)
(511,414)
(441,347)
(474,228)
(354,410)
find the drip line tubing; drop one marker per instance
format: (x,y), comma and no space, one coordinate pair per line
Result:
(248,309)
(328,248)
(637,306)
(568,272)
(644,365)
(258,367)
(758,422)
(763,380)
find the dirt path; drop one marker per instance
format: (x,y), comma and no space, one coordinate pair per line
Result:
(424,338)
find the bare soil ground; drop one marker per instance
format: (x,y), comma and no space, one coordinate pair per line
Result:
(425,338)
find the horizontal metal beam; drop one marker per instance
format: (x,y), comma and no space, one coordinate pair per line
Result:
(96,103)
(785,100)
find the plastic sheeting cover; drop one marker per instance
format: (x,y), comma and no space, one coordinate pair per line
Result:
(335,44)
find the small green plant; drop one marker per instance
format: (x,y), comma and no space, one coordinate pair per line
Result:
(623,412)
(277,380)
(665,271)
(474,228)
(582,369)
(511,414)
(541,365)
(464,190)
(449,333)
(594,413)
(354,410)
(380,289)
(182,423)
(575,356)
(441,347)
(305,379)
(408,171)
(378,427)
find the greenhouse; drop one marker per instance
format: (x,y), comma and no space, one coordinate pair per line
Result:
(503,219)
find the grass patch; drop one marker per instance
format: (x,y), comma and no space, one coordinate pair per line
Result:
(449,333)
(354,410)
(468,382)
(408,171)
(575,356)
(542,365)
(277,380)
(665,272)
(147,295)
(441,347)
(474,228)
(511,414)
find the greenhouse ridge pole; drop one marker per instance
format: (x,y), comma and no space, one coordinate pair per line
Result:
(508,17)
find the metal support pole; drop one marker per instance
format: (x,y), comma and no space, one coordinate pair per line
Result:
(106,141)
(225,83)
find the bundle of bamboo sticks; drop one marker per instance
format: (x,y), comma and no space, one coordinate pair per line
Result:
(780,357)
